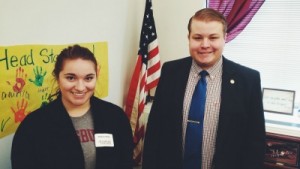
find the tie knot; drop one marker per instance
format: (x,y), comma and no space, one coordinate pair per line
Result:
(203,73)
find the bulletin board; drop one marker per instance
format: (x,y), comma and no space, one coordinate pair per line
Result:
(26,79)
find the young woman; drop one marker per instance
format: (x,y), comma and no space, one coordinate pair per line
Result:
(76,130)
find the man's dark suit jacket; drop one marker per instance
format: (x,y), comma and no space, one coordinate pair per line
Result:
(240,142)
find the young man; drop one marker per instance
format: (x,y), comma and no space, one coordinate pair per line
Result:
(233,126)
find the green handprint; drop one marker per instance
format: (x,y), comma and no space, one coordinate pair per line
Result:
(45,100)
(39,76)
(3,123)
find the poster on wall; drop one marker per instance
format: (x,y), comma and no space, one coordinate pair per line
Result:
(26,79)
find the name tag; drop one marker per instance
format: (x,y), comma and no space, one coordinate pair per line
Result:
(104,140)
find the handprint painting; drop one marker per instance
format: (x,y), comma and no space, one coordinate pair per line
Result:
(26,82)
(39,76)
(20,80)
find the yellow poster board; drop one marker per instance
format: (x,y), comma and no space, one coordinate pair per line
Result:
(26,79)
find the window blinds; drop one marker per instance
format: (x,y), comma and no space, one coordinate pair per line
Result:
(271,44)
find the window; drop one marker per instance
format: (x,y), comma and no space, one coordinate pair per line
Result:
(271,44)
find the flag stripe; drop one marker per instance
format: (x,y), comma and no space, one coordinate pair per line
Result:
(154,70)
(153,52)
(153,45)
(133,88)
(152,80)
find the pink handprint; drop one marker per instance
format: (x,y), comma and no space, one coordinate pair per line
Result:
(20,80)
(20,112)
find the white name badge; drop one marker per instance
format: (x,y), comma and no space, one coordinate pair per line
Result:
(104,140)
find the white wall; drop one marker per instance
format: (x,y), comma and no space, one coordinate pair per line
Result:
(76,21)
(171,19)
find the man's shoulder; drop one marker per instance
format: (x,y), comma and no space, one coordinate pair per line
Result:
(237,67)
(178,64)
(187,59)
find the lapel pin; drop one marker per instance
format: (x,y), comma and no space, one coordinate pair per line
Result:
(232,81)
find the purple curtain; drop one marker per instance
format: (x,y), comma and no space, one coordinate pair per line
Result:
(238,13)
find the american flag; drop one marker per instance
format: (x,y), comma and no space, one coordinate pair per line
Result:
(144,80)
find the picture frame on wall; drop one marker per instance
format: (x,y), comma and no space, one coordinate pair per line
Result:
(278,101)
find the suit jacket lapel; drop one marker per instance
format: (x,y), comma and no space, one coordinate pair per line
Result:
(182,80)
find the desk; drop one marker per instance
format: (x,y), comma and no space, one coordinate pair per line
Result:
(283,151)
(283,141)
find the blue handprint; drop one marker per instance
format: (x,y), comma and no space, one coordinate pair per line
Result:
(39,76)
